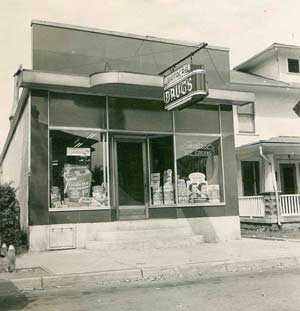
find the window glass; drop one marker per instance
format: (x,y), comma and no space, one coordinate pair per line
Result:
(77,110)
(198,119)
(293,65)
(131,177)
(250,178)
(246,123)
(199,169)
(137,114)
(248,108)
(78,169)
(246,118)
(162,170)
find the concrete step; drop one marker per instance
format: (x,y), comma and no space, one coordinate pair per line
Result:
(143,224)
(162,243)
(132,217)
(134,235)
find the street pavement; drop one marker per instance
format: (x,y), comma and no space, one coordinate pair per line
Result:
(272,290)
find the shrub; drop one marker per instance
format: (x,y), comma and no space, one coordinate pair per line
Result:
(10,232)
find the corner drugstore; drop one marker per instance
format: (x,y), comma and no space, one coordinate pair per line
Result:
(91,140)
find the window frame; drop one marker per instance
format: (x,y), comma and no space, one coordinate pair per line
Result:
(257,176)
(106,163)
(110,132)
(249,114)
(222,182)
(290,65)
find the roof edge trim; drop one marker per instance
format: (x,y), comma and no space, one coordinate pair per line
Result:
(127,35)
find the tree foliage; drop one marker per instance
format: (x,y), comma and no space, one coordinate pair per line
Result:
(10,232)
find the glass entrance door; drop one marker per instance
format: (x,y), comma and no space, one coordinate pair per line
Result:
(130,178)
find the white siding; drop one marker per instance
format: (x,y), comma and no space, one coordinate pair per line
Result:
(268,68)
(274,115)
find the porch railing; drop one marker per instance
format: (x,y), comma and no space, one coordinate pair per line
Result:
(290,204)
(252,206)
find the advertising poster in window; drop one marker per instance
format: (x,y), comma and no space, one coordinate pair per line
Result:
(77,182)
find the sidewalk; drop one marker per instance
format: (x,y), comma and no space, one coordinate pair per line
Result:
(67,267)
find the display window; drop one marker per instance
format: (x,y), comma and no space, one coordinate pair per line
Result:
(199,169)
(162,179)
(202,118)
(78,169)
(139,115)
(76,110)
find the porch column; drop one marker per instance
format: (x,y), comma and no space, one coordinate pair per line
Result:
(269,190)
(269,173)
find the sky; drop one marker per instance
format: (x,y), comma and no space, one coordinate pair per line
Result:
(246,27)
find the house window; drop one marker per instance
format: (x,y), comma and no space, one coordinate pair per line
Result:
(293,65)
(250,178)
(246,118)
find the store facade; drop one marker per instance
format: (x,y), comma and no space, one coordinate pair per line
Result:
(102,146)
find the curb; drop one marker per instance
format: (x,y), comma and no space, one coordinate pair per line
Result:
(270,238)
(153,273)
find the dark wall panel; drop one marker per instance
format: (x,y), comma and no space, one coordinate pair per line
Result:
(82,52)
(38,188)
(229,159)
(81,216)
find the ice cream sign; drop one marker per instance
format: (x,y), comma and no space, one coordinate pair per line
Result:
(184,86)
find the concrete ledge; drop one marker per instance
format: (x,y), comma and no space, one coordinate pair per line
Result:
(262,264)
(191,270)
(28,283)
(68,280)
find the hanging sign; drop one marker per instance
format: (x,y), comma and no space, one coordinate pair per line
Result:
(78,152)
(184,86)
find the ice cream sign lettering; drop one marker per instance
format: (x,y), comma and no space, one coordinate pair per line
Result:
(183,87)
(198,150)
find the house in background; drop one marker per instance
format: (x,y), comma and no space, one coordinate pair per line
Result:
(267,136)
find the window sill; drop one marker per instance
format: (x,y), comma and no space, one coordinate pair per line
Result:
(293,73)
(189,205)
(247,134)
(79,208)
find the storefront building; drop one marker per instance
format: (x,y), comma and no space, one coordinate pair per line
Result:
(101,146)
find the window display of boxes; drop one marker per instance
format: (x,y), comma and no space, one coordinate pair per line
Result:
(182,192)
(168,194)
(213,193)
(168,187)
(157,196)
(156,190)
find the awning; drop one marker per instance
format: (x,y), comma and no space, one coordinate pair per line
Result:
(123,84)
(281,145)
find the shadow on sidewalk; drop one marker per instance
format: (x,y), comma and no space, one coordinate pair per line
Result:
(11,298)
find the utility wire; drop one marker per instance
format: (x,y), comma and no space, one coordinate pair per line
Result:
(216,68)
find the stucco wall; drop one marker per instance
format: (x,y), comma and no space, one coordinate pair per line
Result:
(15,166)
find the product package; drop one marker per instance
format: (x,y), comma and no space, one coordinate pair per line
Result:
(213,193)
(99,195)
(77,183)
(182,191)
(55,197)
(157,196)
(168,187)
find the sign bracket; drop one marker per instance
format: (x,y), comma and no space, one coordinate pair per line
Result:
(184,58)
